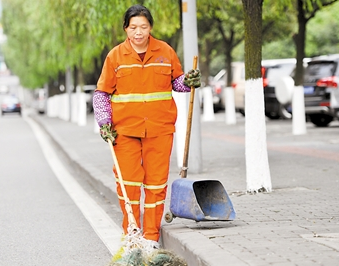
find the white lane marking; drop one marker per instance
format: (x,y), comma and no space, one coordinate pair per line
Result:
(108,231)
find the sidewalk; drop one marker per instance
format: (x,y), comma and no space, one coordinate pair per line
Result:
(296,224)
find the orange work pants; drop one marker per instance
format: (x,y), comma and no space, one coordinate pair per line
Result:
(144,162)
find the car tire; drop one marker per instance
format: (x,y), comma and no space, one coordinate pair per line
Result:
(283,114)
(321,120)
(272,116)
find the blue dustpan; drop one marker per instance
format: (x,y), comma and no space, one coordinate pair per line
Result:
(203,200)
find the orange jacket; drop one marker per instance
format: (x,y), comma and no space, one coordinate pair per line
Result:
(142,102)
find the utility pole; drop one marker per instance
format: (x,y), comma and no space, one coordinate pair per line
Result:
(190,41)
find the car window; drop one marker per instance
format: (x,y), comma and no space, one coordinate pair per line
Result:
(317,70)
(278,71)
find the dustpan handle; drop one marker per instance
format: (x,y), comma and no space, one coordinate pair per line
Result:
(131,219)
(183,172)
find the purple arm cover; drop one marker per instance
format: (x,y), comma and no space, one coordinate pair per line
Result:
(178,84)
(102,108)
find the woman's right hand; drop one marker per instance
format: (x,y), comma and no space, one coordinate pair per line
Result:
(107,132)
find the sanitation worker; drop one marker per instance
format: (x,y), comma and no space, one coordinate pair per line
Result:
(133,106)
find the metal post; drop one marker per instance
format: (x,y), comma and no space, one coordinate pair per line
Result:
(69,89)
(190,41)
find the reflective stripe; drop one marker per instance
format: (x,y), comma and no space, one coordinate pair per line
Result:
(142,97)
(130,183)
(153,205)
(128,66)
(140,66)
(155,187)
(133,202)
(157,64)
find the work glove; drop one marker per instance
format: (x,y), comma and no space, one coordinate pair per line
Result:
(106,132)
(192,78)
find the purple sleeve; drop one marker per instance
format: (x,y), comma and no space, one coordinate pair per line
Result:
(102,108)
(178,84)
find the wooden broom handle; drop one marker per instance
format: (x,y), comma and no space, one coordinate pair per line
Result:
(131,219)
(183,171)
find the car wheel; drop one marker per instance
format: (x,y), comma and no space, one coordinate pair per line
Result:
(217,108)
(272,116)
(282,113)
(321,120)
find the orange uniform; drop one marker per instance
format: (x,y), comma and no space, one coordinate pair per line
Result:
(144,115)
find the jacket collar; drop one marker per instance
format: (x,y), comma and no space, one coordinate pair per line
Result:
(153,46)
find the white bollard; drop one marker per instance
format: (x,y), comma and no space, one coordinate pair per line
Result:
(74,105)
(208,110)
(60,106)
(230,106)
(63,106)
(96,126)
(52,106)
(82,109)
(298,115)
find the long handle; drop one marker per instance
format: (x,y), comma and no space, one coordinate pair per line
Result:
(131,219)
(183,172)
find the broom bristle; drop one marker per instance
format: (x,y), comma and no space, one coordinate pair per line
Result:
(162,257)
(159,257)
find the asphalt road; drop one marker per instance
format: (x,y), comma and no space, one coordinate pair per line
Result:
(40,224)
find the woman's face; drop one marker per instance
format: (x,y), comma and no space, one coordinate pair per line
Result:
(138,31)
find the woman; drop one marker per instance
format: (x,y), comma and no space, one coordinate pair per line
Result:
(133,106)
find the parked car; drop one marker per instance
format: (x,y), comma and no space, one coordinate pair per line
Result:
(272,70)
(238,84)
(321,92)
(218,84)
(10,104)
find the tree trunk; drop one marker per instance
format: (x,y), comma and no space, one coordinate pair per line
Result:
(228,55)
(253,37)
(204,65)
(299,40)
(257,168)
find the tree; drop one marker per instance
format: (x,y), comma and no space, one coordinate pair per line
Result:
(49,36)
(221,29)
(257,168)
(306,10)
(321,38)
(224,21)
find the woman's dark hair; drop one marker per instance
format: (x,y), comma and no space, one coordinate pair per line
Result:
(136,11)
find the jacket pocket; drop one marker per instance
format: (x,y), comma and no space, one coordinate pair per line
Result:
(125,82)
(124,72)
(162,78)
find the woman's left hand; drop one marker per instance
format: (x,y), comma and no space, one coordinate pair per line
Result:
(193,78)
